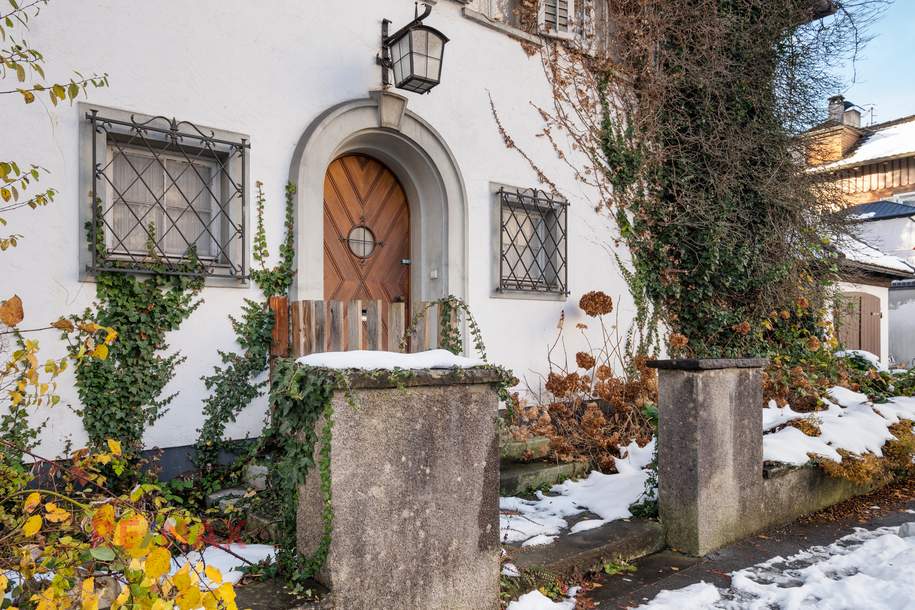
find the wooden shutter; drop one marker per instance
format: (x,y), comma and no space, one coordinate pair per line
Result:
(556,15)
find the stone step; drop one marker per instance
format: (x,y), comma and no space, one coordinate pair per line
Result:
(533,448)
(581,552)
(516,479)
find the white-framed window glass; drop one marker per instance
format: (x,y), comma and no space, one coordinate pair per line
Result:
(165,201)
(533,248)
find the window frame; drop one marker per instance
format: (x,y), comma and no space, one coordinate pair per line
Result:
(506,286)
(229,263)
(569,32)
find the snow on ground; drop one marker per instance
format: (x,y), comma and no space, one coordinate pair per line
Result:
(227,563)
(374,360)
(608,496)
(535,600)
(850,422)
(867,569)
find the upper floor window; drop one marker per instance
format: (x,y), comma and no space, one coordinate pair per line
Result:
(533,249)
(556,16)
(166,196)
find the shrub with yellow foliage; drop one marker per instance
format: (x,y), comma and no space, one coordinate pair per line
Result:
(67,542)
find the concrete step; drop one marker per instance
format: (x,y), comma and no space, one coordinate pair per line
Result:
(533,448)
(581,552)
(517,479)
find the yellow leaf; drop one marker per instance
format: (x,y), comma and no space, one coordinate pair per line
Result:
(209,601)
(103,521)
(31,502)
(114,446)
(11,312)
(111,336)
(55,514)
(121,599)
(213,573)
(4,582)
(130,531)
(101,351)
(88,595)
(32,525)
(226,594)
(157,563)
(182,578)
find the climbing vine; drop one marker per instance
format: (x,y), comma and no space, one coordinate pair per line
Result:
(233,384)
(299,397)
(121,394)
(450,309)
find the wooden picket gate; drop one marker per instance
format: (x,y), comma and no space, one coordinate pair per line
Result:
(308,327)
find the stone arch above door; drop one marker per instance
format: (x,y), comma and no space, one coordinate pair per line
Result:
(382,128)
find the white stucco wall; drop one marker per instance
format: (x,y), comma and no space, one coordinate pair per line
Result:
(902,325)
(267,70)
(882,294)
(894,236)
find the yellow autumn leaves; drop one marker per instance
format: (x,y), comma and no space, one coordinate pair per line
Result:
(137,551)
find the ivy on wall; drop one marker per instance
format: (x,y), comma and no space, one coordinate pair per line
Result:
(121,395)
(299,397)
(233,384)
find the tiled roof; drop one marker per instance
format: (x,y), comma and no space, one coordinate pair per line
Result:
(879,210)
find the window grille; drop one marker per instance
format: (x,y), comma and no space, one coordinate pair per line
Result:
(534,246)
(556,15)
(167,196)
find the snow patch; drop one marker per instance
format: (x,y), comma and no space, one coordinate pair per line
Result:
(872,358)
(850,422)
(374,360)
(866,569)
(228,564)
(535,600)
(860,252)
(608,496)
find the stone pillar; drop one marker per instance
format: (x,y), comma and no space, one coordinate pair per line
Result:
(415,494)
(709,451)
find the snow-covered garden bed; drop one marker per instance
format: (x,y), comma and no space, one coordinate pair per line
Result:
(850,422)
(607,496)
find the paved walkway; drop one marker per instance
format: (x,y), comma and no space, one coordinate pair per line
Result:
(669,570)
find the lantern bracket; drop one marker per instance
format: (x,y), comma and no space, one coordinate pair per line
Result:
(384,60)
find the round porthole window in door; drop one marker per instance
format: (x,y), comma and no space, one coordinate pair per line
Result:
(361,241)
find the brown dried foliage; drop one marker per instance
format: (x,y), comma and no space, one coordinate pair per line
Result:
(592,410)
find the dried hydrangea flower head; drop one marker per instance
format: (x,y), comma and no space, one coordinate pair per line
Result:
(596,303)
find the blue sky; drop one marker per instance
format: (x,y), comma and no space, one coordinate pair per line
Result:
(884,75)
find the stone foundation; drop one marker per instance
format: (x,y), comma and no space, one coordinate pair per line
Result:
(414,482)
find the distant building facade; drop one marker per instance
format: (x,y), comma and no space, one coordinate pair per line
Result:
(874,167)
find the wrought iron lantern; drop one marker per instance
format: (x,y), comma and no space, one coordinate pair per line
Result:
(413,53)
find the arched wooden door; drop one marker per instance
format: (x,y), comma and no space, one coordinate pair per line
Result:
(366,233)
(859,321)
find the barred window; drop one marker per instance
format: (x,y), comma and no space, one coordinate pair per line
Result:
(533,242)
(167,196)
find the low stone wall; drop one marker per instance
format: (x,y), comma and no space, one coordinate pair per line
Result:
(712,487)
(789,493)
(414,487)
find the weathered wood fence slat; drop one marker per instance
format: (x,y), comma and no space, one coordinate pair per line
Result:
(307,327)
